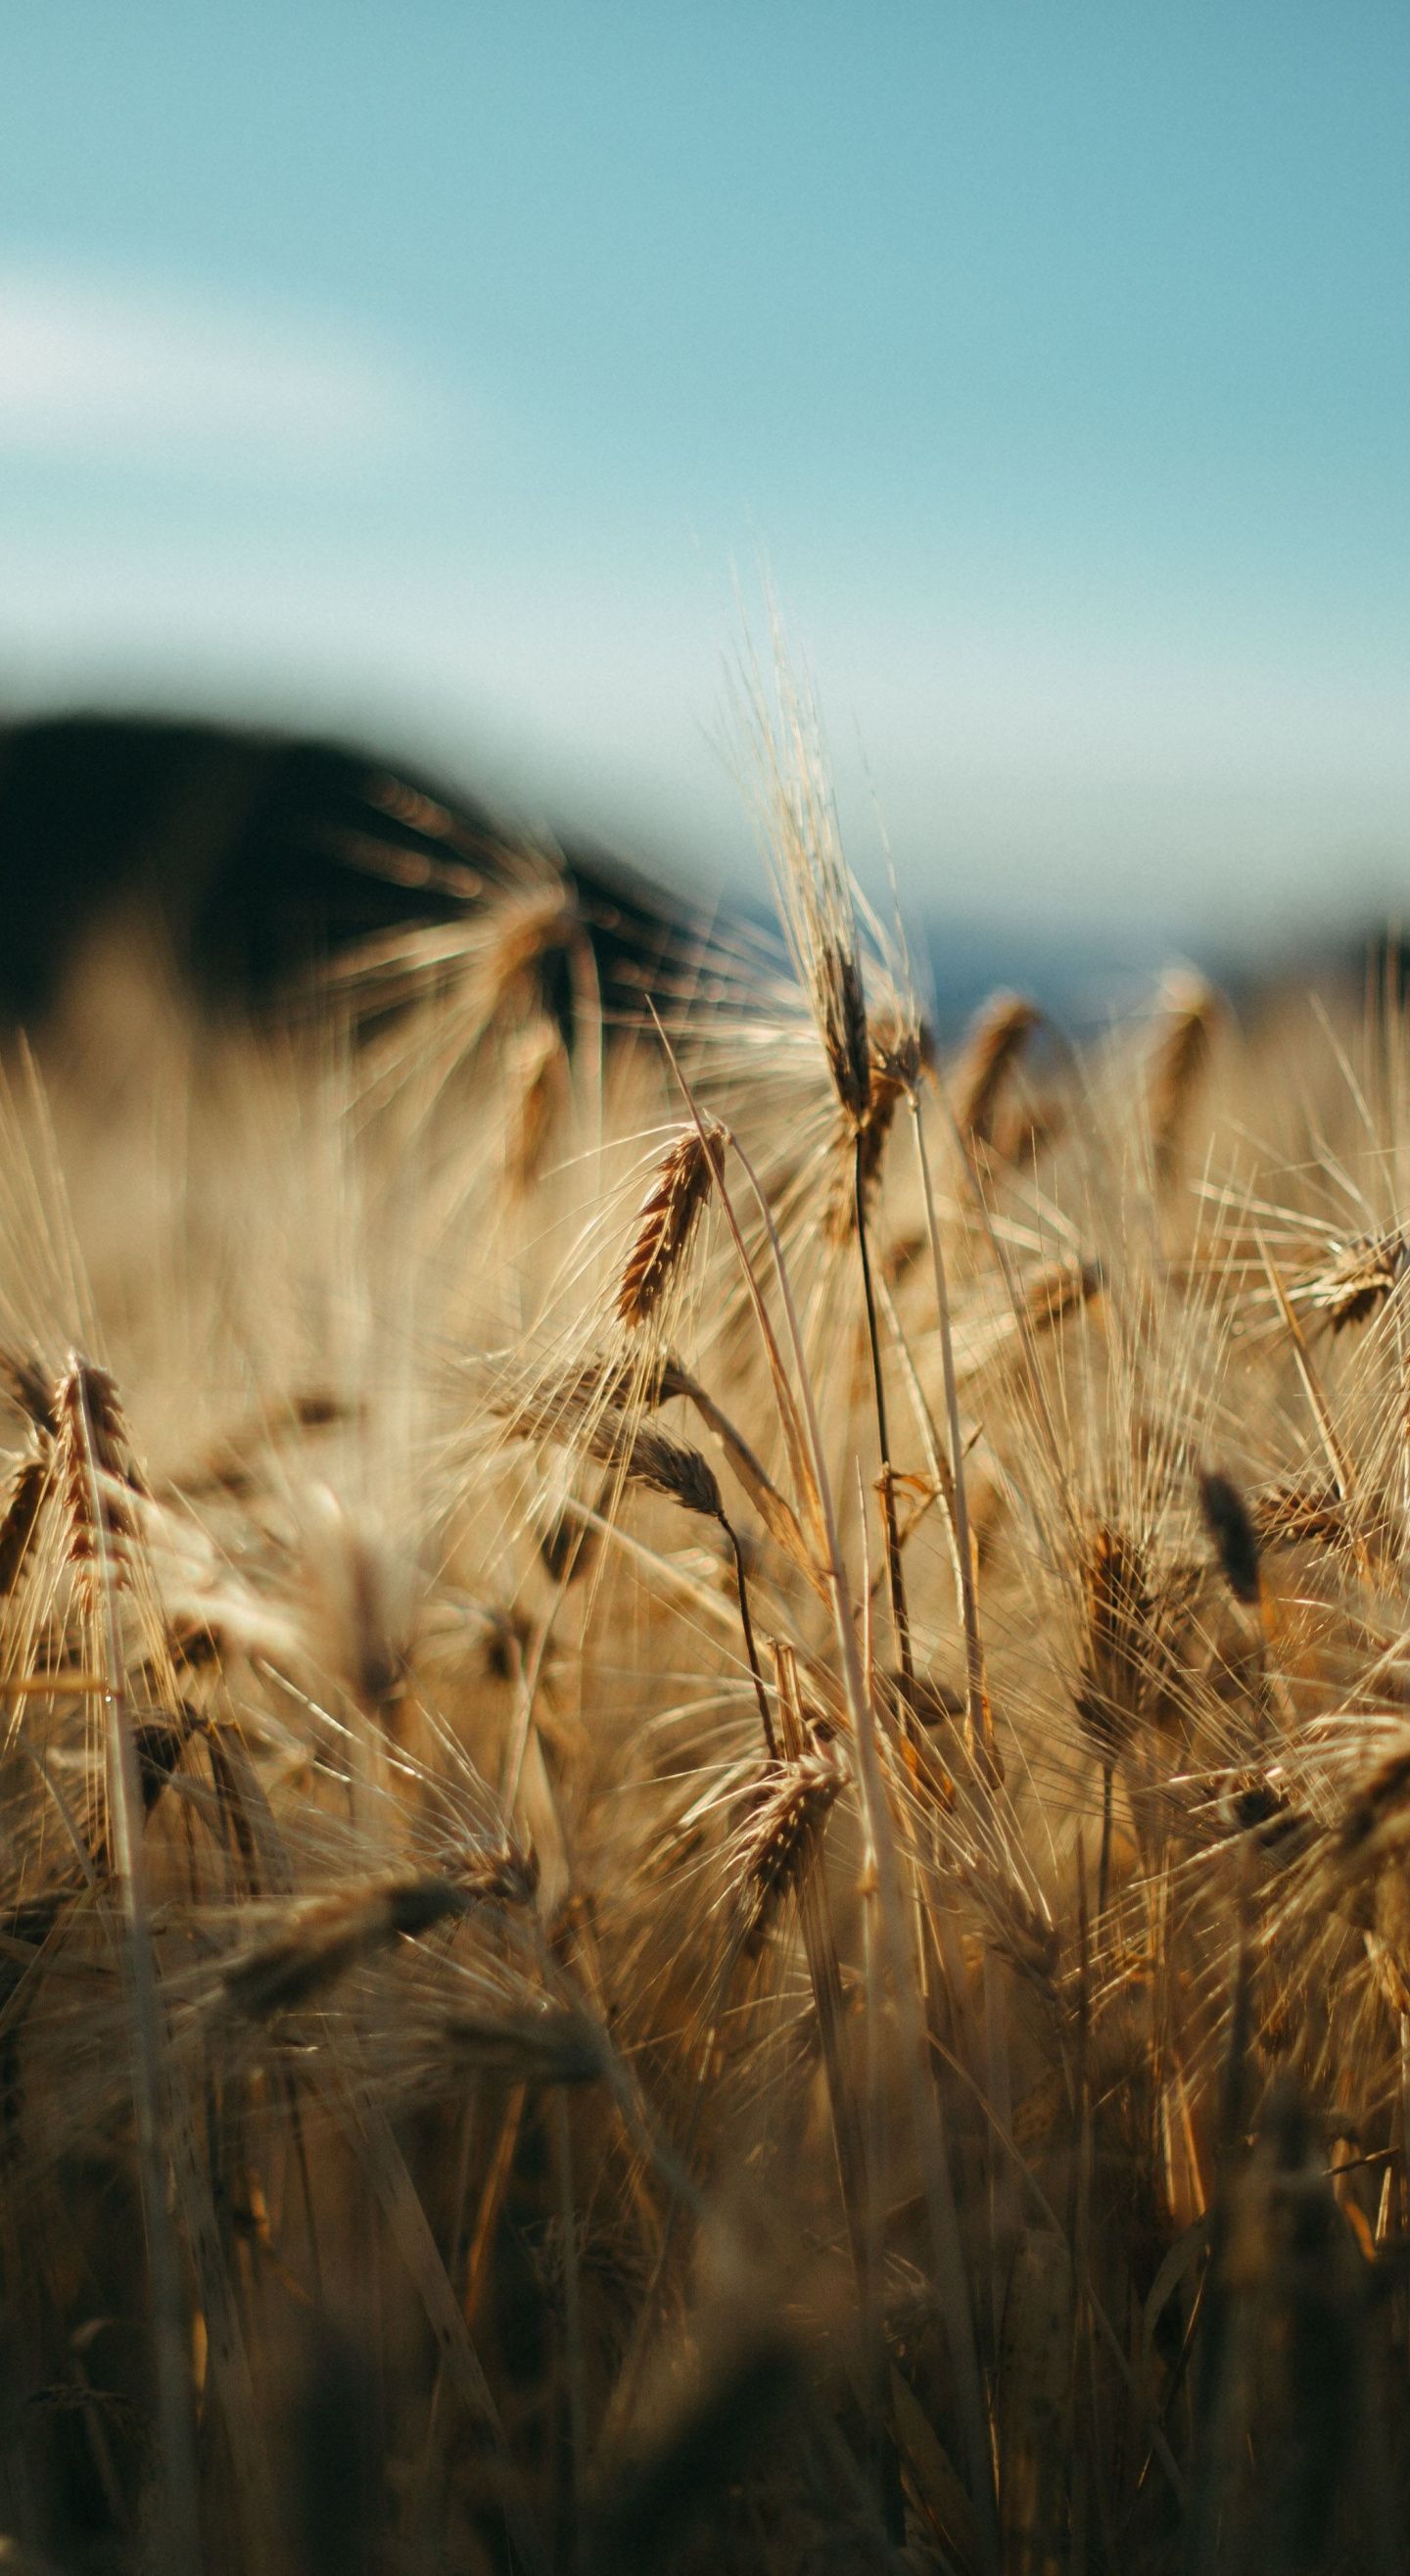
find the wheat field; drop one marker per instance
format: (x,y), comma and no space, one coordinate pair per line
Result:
(706,1829)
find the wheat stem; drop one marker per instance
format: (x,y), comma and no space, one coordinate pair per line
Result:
(976,1696)
(900,1615)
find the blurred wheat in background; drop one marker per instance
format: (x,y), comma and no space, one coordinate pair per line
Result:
(706,1764)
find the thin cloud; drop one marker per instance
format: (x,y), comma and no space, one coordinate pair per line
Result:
(137,372)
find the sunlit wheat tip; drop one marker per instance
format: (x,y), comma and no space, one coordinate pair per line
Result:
(789,1809)
(99,1476)
(92,1389)
(669,1215)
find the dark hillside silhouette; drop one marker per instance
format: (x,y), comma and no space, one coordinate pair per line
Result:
(263,855)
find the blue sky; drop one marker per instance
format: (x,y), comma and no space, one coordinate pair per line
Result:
(436,370)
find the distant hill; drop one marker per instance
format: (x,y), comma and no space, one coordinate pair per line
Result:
(260,854)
